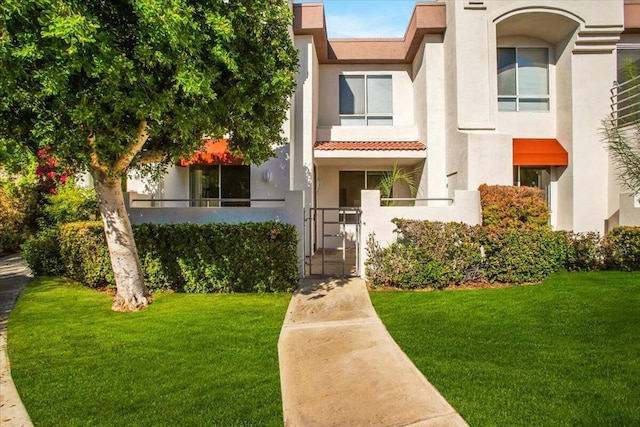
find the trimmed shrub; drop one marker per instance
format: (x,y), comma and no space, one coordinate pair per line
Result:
(218,257)
(17,208)
(522,256)
(85,255)
(513,207)
(246,257)
(402,266)
(42,253)
(584,251)
(622,249)
(437,255)
(453,245)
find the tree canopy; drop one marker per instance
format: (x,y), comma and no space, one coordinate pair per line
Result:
(180,69)
(108,84)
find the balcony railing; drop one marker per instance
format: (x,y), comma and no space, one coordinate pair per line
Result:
(625,102)
(413,201)
(200,203)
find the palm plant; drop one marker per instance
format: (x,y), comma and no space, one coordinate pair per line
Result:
(389,180)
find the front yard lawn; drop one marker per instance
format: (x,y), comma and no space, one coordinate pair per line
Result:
(566,352)
(186,360)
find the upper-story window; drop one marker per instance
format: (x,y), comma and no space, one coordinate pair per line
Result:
(523,79)
(628,61)
(366,100)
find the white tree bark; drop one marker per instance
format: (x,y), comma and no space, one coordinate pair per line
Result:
(131,292)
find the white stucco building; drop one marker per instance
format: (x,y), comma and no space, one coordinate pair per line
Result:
(495,91)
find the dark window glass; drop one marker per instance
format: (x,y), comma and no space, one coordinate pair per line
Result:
(236,184)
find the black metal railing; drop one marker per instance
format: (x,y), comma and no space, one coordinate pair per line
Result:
(203,202)
(411,201)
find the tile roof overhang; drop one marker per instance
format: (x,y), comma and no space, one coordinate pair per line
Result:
(427,18)
(539,152)
(213,152)
(369,146)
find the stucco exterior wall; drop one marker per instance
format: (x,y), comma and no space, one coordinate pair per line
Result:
(629,212)
(301,148)
(430,96)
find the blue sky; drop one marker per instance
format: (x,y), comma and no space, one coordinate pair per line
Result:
(366,18)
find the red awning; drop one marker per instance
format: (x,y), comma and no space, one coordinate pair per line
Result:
(213,152)
(539,152)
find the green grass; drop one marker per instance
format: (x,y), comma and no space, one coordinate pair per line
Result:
(566,352)
(186,360)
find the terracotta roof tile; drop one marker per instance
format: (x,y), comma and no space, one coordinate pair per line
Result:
(370,145)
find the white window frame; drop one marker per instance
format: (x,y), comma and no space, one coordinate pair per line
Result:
(366,114)
(517,97)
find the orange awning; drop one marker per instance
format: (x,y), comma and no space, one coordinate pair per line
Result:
(539,152)
(213,152)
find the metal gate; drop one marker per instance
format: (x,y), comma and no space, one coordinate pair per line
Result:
(332,242)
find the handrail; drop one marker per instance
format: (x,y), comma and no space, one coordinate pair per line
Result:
(217,203)
(414,199)
(208,200)
(625,102)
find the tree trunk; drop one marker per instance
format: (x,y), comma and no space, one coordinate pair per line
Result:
(131,295)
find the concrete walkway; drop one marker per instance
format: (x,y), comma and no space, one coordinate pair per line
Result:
(340,367)
(14,275)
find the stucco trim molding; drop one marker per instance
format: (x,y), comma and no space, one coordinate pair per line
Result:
(598,39)
(503,15)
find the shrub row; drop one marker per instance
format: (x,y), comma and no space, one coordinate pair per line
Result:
(436,254)
(246,257)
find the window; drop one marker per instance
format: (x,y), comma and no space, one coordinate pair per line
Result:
(209,185)
(352,182)
(523,79)
(628,56)
(366,100)
(628,61)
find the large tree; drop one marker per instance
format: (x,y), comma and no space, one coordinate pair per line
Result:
(109,84)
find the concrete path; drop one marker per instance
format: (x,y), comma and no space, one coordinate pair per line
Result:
(14,275)
(340,367)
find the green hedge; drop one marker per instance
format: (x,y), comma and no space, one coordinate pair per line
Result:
(84,253)
(436,254)
(245,257)
(42,253)
(454,247)
(622,249)
(218,257)
(521,255)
